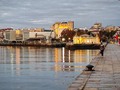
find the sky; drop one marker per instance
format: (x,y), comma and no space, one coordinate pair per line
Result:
(44,13)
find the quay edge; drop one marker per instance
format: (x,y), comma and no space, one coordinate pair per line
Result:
(83,46)
(35,45)
(70,47)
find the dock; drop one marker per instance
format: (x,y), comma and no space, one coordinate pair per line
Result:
(83,46)
(106,75)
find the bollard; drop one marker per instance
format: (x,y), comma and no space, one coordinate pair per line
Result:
(89,67)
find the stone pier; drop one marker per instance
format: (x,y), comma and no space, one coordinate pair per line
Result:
(106,75)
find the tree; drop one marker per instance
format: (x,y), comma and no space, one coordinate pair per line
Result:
(80,32)
(106,35)
(67,34)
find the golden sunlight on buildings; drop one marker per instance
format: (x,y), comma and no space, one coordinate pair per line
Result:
(17,31)
(86,39)
(19,35)
(58,27)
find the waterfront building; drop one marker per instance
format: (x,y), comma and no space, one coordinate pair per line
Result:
(86,39)
(16,36)
(44,36)
(36,29)
(2,32)
(28,36)
(58,27)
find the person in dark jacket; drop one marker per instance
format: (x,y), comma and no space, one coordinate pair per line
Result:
(102,50)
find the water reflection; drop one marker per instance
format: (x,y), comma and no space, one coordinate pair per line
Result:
(29,67)
(61,58)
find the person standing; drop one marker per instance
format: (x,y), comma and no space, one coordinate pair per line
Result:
(102,50)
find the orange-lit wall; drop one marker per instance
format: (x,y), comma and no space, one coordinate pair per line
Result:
(58,27)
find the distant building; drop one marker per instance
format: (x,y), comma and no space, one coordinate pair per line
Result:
(44,36)
(28,36)
(2,31)
(16,36)
(58,27)
(83,28)
(96,26)
(86,39)
(36,29)
(95,32)
(111,28)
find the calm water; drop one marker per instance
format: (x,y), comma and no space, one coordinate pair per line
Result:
(33,68)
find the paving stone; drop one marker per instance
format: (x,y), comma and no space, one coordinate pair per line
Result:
(107,81)
(75,85)
(91,89)
(71,88)
(108,88)
(78,81)
(108,85)
(94,81)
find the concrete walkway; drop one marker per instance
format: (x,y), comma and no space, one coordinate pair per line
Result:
(106,75)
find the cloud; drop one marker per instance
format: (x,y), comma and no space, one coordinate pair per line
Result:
(34,13)
(5,14)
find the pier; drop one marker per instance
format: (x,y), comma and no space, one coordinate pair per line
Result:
(106,74)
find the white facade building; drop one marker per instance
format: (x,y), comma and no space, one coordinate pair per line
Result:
(16,35)
(24,35)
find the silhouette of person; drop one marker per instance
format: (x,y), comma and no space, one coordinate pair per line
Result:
(102,50)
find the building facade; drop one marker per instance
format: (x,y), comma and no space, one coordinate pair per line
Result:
(28,36)
(86,39)
(97,25)
(16,36)
(58,27)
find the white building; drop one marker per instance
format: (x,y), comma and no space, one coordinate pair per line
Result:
(16,35)
(27,35)
(46,35)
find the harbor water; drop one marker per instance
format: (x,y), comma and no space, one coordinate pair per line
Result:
(36,68)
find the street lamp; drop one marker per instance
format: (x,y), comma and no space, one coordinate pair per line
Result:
(63,39)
